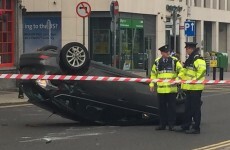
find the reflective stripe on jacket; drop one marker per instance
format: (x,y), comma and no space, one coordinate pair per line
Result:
(169,70)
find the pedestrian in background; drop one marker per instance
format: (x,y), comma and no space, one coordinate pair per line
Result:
(207,58)
(20,91)
(166,67)
(194,69)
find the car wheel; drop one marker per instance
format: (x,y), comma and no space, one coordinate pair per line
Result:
(74,58)
(48,48)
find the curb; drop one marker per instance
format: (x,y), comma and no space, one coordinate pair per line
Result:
(14,103)
(11,98)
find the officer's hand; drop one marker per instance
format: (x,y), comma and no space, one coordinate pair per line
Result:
(151,89)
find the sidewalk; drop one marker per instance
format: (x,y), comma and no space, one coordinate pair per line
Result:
(210,77)
(11,97)
(226,76)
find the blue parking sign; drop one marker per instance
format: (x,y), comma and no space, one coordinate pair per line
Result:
(189,28)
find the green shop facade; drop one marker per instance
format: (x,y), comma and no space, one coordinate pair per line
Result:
(136,36)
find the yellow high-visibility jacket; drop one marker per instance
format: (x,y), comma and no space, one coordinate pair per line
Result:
(194,70)
(162,70)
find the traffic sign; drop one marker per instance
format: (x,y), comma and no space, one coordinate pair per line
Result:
(213,63)
(1,12)
(114,8)
(189,28)
(83,9)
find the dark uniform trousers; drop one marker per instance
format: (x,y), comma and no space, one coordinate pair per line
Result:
(192,109)
(167,108)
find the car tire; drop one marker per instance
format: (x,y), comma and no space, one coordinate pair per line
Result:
(74,58)
(48,48)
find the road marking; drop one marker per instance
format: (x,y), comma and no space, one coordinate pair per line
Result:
(215,146)
(61,138)
(17,105)
(69,137)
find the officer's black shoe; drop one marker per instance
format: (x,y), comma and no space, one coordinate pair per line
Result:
(20,96)
(192,131)
(179,129)
(160,128)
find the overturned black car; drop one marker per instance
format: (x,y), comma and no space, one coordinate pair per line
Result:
(87,101)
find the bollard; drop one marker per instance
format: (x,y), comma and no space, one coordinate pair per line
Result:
(214,73)
(221,74)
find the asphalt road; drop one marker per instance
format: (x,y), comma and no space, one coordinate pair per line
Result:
(28,127)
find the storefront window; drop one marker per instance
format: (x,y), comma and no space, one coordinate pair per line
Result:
(130,52)
(126,48)
(101,41)
(100,35)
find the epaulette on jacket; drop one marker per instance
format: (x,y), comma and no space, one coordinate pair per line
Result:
(174,58)
(157,59)
(198,57)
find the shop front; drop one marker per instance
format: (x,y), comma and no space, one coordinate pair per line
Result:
(132,52)
(134,34)
(7,49)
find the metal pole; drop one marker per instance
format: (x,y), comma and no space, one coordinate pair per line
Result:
(188,16)
(214,73)
(49,25)
(221,76)
(174,27)
(114,41)
(83,30)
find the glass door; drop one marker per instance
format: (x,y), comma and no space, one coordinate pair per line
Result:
(132,51)
(125,49)
(150,53)
(138,51)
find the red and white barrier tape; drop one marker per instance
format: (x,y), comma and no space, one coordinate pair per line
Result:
(103,78)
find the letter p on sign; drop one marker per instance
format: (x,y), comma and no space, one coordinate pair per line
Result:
(189,28)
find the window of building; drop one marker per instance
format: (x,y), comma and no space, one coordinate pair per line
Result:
(101,40)
(6,33)
(215,4)
(207,3)
(131,38)
(197,3)
(136,36)
(129,44)
(222,4)
(228,5)
(223,37)
(208,36)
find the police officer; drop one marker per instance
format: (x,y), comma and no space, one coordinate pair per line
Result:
(20,92)
(194,69)
(166,67)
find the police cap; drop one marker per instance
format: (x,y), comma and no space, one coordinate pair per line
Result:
(190,44)
(164,48)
